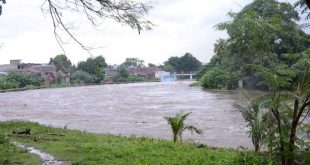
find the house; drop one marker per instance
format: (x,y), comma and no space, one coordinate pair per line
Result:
(48,72)
(144,72)
(26,65)
(13,66)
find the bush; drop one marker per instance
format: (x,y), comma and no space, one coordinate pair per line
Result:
(8,84)
(219,79)
(248,157)
(82,77)
(25,79)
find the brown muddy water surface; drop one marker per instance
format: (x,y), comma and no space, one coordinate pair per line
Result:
(133,109)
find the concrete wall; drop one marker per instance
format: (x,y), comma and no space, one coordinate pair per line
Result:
(8,67)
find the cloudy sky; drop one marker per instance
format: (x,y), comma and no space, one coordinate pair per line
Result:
(181,26)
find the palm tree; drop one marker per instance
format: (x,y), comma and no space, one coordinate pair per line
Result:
(220,48)
(178,126)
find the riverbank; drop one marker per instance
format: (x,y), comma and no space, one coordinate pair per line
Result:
(89,148)
(12,154)
(73,85)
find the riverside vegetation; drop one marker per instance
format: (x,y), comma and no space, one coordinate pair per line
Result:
(80,147)
(268,50)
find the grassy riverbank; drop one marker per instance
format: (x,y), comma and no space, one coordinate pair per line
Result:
(10,154)
(88,148)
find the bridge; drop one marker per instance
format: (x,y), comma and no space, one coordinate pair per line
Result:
(190,74)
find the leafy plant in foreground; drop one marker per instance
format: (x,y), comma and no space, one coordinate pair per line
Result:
(285,112)
(257,122)
(178,126)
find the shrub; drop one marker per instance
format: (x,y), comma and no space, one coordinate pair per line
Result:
(82,77)
(178,126)
(248,157)
(8,84)
(25,79)
(219,79)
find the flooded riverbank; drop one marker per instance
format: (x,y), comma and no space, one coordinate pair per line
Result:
(133,109)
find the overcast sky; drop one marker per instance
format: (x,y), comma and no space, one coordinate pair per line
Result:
(181,26)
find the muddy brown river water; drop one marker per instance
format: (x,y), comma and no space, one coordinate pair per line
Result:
(133,109)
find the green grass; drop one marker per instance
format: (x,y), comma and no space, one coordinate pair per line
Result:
(88,148)
(10,154)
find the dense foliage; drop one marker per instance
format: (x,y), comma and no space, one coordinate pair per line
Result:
(8,84)
(20,80)
(268,47)
(62,63)
(215,75)
(25,79)
(276,119)
(263,33)
(81,77)
(185,63)
(94,66)
(133,62)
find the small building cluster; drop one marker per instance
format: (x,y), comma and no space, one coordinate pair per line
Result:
(149,73)
(49,72)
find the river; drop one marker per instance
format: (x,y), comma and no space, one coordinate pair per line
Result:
(133,109)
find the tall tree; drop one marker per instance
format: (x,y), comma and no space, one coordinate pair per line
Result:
(62,62)
(261,33)
(174,62)
(136,62)
(185,63)
(220,49)
(189,63)
(94,66)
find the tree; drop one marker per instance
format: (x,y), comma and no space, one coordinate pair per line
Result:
(220,48)
(94,66)
(122,74)
(217,78)
(151,65)
(81,77)
(189,63)
(185,63)
(279,115)
(62,62)
(262,33)
(136,62)
(168,68)
(178,127)
(174,62)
